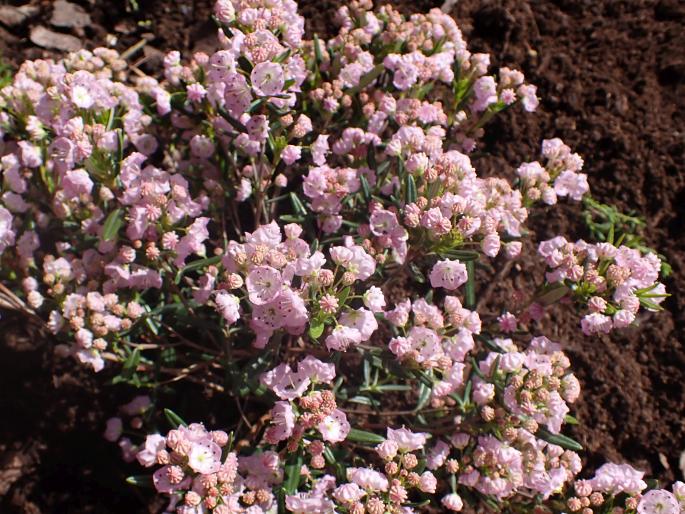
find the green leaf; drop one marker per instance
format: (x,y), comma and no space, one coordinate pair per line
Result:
(293,470)
(317,49)
(112,224)
(174,419)
(140,481)
(470,287)
(424,396)
(316,328)
(411,189)
(342,296)
(282,57)
(460,255)
(365,188)
(297,204)
(132,361)
(362,436)
(201,263)
(553,294)
(559,440)
(571,420)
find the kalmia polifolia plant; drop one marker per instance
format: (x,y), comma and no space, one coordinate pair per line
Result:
(298,224)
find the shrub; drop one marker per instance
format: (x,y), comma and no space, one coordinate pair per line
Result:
(298,222)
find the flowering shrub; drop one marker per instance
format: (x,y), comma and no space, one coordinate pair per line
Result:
(244,223)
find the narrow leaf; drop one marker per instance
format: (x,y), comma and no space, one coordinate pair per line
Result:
(174,419)
(112,224)
(411,189)
(362,436)
(559,440)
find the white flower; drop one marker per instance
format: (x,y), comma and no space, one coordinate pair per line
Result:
(81,97)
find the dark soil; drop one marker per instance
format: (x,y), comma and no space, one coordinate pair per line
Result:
(611,76)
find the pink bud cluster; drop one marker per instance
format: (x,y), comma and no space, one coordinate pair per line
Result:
(611,282)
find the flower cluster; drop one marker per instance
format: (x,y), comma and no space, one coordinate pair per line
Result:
(611,282)
(559,177)
(302,408)
(201,475)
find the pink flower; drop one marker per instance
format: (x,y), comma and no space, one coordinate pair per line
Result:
(374,299)
(228,306)
(448,274)
(76,183)
(348,493)
(342,338)
(283,422)
(428,483)
(491,245)
(196,92)
(529,99)
(400,314)
(81,97)
(361,319)
(596,323)
(7,235)
(224,11)
(192,241)
(267,78)
(658,501)
(387,450)
(320,149)
(264,283)
(318,372)
(573,185)
(291,154)
(286,384)
(237,94)
(618,478)
(205,457)
(452,502)
(335,427)
(485,93)
(507,322)
(368,479)
(153,444)
(407,441)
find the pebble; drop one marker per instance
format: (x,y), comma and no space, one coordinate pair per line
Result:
(47,38)
(12,16)
(66,14)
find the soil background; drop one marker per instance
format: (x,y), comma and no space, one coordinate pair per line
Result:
(611,78)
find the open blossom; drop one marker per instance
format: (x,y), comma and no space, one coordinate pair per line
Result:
(263,284)
(407,441)
(658,502)
(334,427)
(267,78)
(283,422)
(228,306)
(342,337)
(448,274)
(368,479)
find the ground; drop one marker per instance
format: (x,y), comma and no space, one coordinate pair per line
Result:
(611,76)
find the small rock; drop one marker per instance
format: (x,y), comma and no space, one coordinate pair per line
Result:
(66,14)
(47,38)
(12,16)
